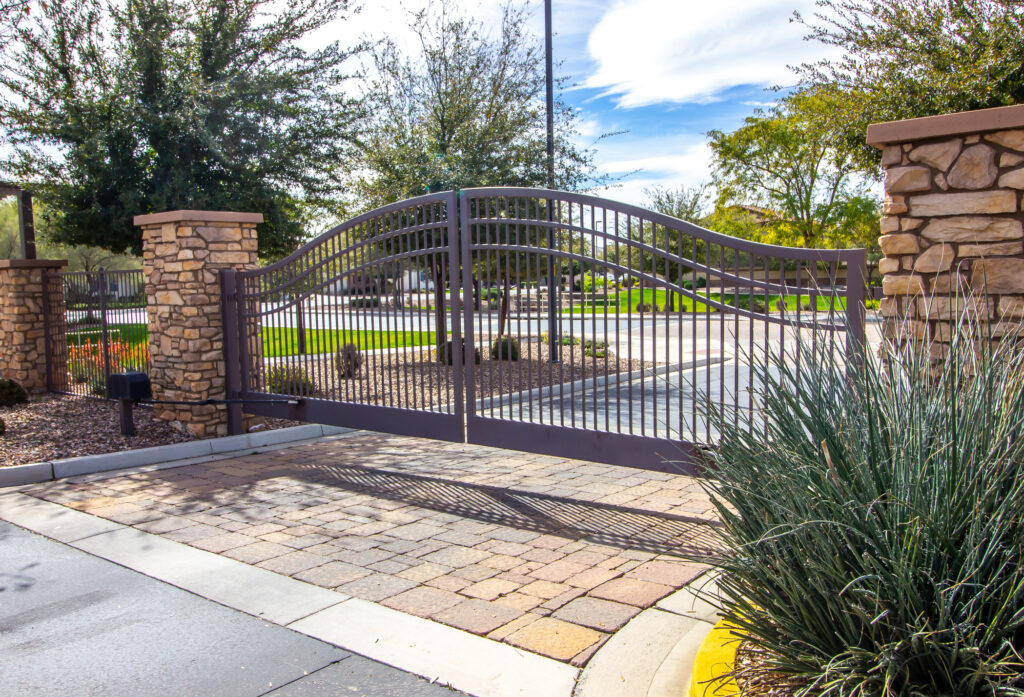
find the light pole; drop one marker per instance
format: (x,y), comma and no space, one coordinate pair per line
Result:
(554,340)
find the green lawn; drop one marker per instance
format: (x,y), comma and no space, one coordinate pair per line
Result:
(623,302)
(129,333)
(277,341)
(283,341)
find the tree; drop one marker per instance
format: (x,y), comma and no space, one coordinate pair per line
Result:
(121,109)
(908,58)
(468,111)
(687,203)
(783,162)
(12,12)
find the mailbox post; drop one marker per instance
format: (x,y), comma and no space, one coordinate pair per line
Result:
(127,389)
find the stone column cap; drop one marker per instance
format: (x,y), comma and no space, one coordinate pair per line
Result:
(32,263)
(961,123)
(197,217)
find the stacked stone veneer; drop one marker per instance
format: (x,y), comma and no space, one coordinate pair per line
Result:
(183,253)
(952,220)
(23,323)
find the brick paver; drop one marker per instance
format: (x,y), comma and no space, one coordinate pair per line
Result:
(549,555)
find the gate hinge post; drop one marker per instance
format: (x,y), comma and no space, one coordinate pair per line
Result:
(232,364)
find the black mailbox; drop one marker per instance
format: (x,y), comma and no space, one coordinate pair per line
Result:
(133,386)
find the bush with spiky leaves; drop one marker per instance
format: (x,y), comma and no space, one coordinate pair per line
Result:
(291,380)
(873,519)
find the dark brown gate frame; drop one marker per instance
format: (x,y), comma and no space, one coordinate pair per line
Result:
(308,270)
(239,342)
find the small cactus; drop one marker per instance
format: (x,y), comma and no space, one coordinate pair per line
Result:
(444,354)
(348,361)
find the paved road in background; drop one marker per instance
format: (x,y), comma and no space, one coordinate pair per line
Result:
(74,624)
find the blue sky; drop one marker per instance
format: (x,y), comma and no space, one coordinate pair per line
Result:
(665,71)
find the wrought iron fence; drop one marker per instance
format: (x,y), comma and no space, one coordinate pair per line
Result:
(96,325)
(534,320)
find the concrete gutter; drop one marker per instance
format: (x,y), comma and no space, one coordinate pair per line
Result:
(174,455)
(654,654)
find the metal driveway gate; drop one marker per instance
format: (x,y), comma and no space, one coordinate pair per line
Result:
(534,320)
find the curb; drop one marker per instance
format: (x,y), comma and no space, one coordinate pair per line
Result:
(89,464)
(715,658)
(656,653)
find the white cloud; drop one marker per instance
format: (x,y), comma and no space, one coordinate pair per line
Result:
(651,51)
(683,159)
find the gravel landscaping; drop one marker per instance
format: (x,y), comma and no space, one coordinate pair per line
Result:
(415,380)
(55,427)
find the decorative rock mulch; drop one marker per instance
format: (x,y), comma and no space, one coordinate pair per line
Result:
(55,427)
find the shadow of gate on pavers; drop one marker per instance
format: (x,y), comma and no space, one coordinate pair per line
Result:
(535,320)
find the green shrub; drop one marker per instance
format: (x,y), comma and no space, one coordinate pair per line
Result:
(757,305)
(592,282)
(348,361)
(643,307)
(871,536)
(565,339)
(364,302)
(97,386)
(505,348)
(12,393)
(444,355)
(780,304)
(291,380)
(594,348)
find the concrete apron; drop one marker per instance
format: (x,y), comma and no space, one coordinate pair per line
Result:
(443,654)
(651,656)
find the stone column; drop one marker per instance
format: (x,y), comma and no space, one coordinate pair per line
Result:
(183,253)
(24,324)
(952,219)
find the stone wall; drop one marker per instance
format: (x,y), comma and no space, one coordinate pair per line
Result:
(23,323)
(183,253)
(952,219)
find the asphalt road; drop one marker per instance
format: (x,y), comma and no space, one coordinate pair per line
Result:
(74,624)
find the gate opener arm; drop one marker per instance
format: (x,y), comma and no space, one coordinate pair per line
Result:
(128,423)
(204,402)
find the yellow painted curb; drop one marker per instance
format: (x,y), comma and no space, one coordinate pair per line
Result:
(715,657)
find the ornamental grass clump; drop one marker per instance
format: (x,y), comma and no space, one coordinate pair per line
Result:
(873,524)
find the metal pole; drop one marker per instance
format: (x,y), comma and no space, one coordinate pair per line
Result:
(26,224)
(104,335)
(549,82)
(554,342)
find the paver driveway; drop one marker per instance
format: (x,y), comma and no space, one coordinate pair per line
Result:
(549,555)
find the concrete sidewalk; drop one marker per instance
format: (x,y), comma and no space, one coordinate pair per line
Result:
(72,623)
